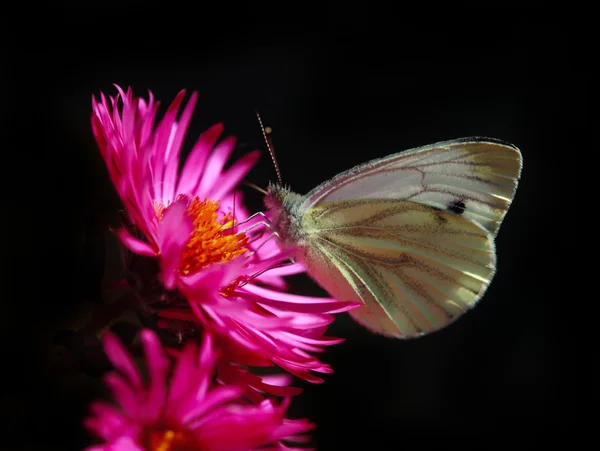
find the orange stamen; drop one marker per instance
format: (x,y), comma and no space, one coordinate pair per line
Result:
(162,439)
(212,239)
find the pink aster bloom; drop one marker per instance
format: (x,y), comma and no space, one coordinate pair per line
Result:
(270,326)
(231,280)
(180,407)
(181,217)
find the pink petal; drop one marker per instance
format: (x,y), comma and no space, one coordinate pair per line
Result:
(173,233)
(307,340)
(233,202)
(286,270)
(214,166)
(121,444)
(172,165)
(214,398)
(277,385)
(306,304)
(162,137)
(106,420)
(205,283)
(296,308)
(135,245)
(233,176)
(147,125)
(292,427)
(160,183)
(158,366)
(300,372)
(305,323)
(278,380)
(124,394)
(206,360)
(121,359)
(242,315)
(194,165)
(255,426)
(183,375)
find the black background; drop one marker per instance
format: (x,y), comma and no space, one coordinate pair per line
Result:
(347,88)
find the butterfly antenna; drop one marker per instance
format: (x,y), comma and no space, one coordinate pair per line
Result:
(256,187)
(266,134)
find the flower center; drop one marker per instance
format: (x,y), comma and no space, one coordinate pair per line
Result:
(168,439)
(212,240)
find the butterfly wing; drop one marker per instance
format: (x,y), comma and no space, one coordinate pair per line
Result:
(472,177)
(416,268)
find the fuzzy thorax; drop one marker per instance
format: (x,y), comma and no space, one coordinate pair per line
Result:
(285,208)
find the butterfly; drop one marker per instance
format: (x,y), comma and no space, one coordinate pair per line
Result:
(410,236)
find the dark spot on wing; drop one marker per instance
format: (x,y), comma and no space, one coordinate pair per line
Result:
(457,207)
(439,218)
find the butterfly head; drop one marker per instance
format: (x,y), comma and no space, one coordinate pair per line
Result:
(284,207)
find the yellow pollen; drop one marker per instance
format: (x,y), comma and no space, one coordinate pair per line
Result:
(162,439)
(212,239)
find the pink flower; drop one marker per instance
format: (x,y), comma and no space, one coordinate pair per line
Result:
(256,325)
(227,271)
(190,412)
(185,219)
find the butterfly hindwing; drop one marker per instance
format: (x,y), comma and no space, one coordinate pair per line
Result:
(415,267)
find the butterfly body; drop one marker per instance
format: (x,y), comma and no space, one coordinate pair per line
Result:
(411,235)
(286,211)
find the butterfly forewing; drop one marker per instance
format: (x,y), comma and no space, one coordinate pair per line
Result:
(472,177)
(415,267)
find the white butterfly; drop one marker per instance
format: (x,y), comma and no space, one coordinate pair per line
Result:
(411,235)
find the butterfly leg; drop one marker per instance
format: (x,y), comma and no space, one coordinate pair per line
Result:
(257,224)
(265,220)
(254,227)
(262,271)
(273,234)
